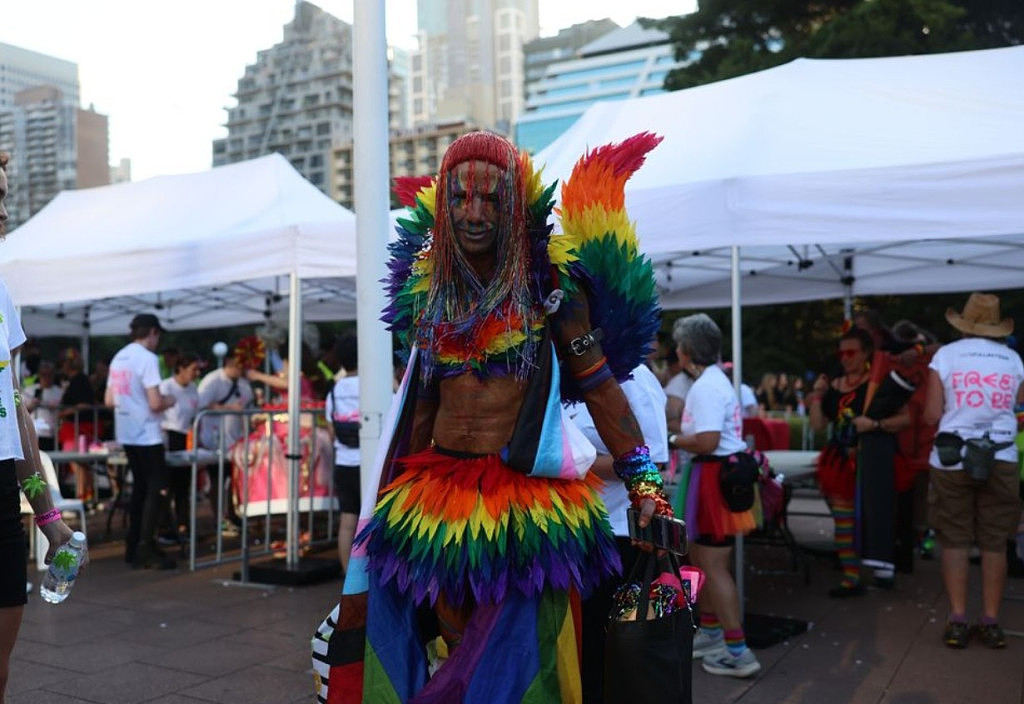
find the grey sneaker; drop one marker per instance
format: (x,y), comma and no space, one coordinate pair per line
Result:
(703,644)
(725,663)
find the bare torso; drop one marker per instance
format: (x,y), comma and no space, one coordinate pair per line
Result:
(477,416)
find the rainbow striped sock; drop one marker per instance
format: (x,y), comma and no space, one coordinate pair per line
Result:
(849,563)
(710,625)
(735,641)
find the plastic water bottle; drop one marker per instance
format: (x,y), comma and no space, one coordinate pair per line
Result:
(57,583)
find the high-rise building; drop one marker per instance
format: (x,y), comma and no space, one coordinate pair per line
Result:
(296,99)
(626,63)
(543,51)
(54,145)
(469,65)
(22,68)
(399,101)
(39,132)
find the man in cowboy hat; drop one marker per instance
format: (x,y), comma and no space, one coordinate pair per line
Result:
(973,386)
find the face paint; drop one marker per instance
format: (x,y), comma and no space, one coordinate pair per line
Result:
(474,201)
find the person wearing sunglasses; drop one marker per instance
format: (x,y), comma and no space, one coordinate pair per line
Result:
(841,403)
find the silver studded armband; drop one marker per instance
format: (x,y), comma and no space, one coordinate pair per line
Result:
(579,346)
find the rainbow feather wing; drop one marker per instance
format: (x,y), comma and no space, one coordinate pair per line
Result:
(409,268)
(599,248)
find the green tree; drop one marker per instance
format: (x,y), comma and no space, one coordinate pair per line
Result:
(893,28)
(728,38)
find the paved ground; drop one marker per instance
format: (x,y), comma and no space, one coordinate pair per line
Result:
(177,637)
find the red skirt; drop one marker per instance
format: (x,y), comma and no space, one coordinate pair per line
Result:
(837,472)
(713,515)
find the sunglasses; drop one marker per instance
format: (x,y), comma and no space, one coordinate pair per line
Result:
(844,354)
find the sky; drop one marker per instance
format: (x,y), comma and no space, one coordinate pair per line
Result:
(164,72)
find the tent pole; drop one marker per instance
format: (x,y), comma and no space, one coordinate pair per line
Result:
(85,348)
(848,280)
(371,160)
(737,376)
(294,455)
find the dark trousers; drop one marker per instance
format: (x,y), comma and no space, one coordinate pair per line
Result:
(877,499)
(13,552)
(180,481)
(149,480)
(595,617)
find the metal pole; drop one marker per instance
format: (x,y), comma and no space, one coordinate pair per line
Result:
(294,455)
(85,347)
(370,158)
(737,371)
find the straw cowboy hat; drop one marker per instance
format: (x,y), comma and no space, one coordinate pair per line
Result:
(980,317)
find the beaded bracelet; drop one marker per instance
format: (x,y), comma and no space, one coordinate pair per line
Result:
(642,479)
(47,518)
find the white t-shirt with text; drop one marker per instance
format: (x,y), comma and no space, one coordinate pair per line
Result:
(980,378)
(133,370)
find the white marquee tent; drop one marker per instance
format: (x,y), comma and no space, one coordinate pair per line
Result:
(202,250)
(835,177)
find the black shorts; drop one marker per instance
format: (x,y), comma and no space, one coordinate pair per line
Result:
(13,543)
(346,488)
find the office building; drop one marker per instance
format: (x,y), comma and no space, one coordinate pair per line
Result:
(296,99)
(543,51)
(399,78)
(54,146)
(625,63)
(469,65)
(22,68)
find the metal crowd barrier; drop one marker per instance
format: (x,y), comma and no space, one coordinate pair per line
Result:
(221,460)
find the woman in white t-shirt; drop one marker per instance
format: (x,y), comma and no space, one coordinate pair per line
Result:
(712,429)
(342,407)
(176,424)
(973,386)
(20,470)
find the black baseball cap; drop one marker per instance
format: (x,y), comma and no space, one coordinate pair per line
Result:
(145,321)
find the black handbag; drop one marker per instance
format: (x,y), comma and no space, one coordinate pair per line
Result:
(650,659)
(345,431)
(980,456)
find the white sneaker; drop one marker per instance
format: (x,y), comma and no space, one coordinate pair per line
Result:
(703,644)
(725,663)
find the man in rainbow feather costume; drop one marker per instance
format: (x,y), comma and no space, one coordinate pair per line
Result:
(458,552)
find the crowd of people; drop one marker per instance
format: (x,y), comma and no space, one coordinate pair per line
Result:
(480,551)
(145,401)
